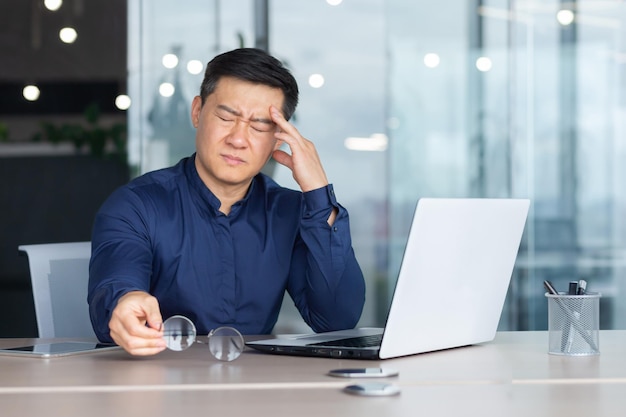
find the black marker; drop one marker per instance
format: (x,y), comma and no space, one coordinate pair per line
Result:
(573,288)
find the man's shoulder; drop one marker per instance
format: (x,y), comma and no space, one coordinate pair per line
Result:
(160,180)
(152,188)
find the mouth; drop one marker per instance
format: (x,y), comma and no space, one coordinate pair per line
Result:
(232,159)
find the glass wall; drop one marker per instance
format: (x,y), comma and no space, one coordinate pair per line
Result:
(517,99)
(498,99)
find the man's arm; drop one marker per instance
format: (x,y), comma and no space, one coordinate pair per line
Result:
(120,307)
(326,282)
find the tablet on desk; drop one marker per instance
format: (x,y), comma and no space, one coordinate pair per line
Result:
(56,349)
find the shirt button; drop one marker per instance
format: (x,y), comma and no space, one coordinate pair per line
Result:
(335,229)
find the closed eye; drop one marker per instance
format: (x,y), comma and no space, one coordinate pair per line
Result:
(262,127)
(225,119)
(258,124)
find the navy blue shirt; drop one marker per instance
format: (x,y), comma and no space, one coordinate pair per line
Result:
(163,233)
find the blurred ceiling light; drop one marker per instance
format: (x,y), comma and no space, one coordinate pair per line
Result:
(484,64)
(194,67)
(170,61)
(495,12)
(519,14)
(376,142)
(565,17)
(31,92)
(53,5)
(334,2)
(122,102)
(316,80)
(68,35)
(432,60)
(167,89)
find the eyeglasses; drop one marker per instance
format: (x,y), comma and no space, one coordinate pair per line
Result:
(225,343)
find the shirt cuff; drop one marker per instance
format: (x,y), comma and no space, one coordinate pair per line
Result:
(319,199)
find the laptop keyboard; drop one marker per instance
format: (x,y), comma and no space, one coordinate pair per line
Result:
(360,341)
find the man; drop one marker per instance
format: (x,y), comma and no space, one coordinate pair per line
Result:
(215,240)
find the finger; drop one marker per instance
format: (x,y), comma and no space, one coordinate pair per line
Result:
(153,314)
(277,117)
(134,310)
(132,342)
(156,325)
(138,329)
(290,139)
(283,158)
(146,351)
(142,345)
(283,124)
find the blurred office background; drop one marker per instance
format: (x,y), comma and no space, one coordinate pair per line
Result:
(404,99)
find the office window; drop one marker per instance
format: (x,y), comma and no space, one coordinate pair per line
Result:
(517,99)
(169,44)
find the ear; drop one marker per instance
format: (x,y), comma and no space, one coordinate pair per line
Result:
(196,108)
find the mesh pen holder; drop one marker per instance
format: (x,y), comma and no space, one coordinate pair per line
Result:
(574,324)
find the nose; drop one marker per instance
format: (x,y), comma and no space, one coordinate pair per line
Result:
(238,135)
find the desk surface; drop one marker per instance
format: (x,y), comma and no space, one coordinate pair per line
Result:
(513,375)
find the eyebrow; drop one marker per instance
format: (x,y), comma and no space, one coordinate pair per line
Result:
(238,114)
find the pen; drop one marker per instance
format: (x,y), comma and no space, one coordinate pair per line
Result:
(581,287)
(566,336)
(550,288)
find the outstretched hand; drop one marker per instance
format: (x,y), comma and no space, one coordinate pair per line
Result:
(136,324)
(304,162)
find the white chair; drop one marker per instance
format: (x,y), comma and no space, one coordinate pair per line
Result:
(59,274)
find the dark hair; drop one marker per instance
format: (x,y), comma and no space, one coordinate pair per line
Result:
(253,65)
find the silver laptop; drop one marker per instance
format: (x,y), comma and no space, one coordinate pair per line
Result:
(451,286)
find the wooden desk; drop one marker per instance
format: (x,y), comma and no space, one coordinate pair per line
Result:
(514,375)
(445,400)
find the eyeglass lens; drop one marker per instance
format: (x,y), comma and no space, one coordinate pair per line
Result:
(225,343)
(179,333)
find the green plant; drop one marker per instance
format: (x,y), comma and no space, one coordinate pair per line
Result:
(4,132)
(109,141)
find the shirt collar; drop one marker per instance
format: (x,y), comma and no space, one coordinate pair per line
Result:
(206,194)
